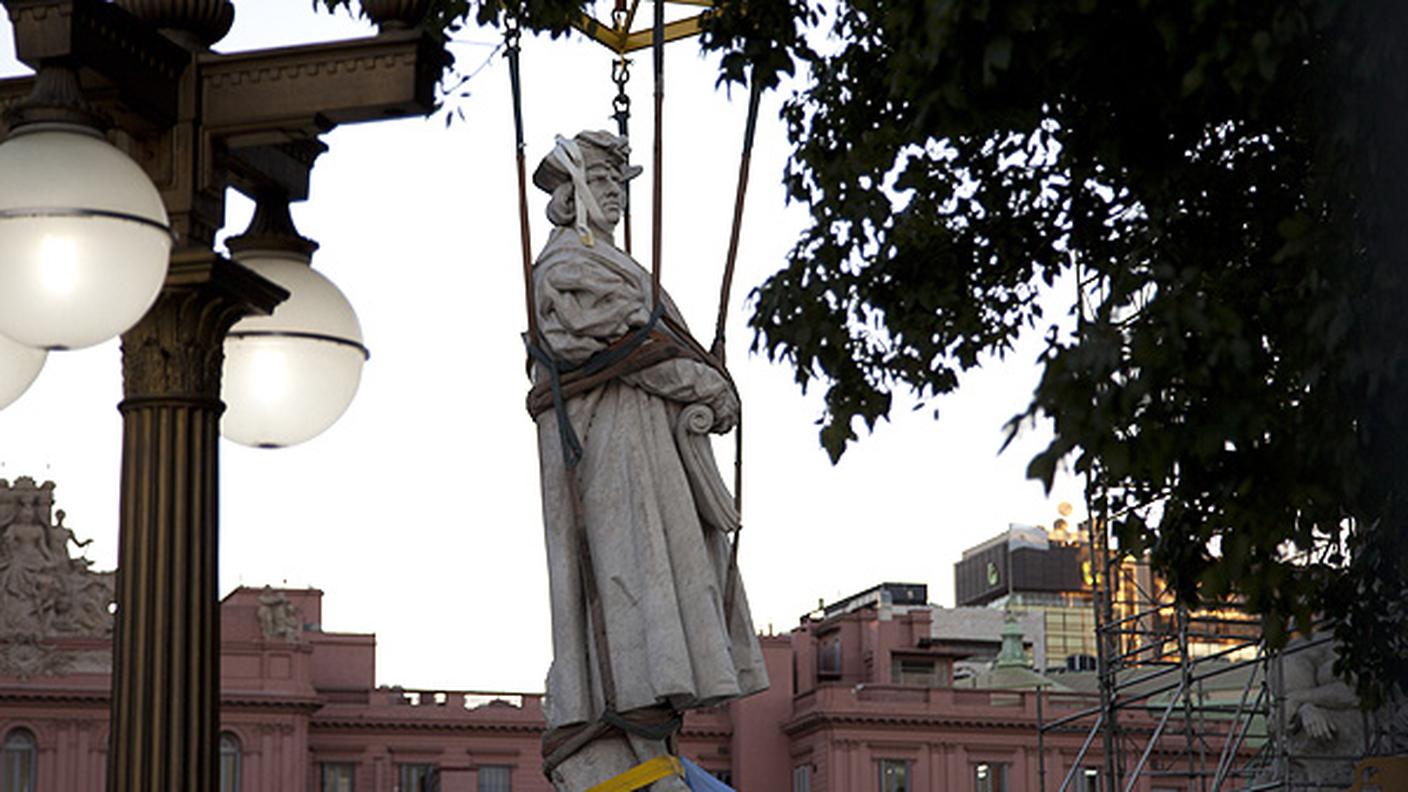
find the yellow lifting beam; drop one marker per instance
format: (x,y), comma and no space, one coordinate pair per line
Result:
(643,774)
(618,37)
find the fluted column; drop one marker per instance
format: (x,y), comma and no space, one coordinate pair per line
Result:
(166,648)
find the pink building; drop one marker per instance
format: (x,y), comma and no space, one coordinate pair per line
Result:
(862,702)
(864,698)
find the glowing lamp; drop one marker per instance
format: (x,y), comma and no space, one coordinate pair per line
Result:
(84,238)
(290,375)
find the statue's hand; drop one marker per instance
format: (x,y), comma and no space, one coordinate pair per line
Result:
(1316,723)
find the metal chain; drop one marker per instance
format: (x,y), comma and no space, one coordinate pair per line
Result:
(512,33)
(621,104)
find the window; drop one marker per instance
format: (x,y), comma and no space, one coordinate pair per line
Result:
(18,762)
(990,777)
(802,778)
(917,672)
(229,762)
(337,776)
(495,778)
(828,657)
(1089,780)
(894,775)
(416,777)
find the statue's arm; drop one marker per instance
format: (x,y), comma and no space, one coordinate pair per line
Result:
(688,381)
(1332,695)
(582,308)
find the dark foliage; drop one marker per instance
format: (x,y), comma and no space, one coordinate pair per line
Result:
(1227,181)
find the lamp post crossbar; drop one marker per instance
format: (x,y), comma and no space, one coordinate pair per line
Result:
(197,122)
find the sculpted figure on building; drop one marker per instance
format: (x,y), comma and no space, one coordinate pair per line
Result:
(278,618)
(45,593)
(649,506)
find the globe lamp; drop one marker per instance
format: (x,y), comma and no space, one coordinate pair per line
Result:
(84,236)
(19,366)
(290,375)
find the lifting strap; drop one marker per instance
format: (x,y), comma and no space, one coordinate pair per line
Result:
(751,125)
(716,349)
(511,39)
(642,775)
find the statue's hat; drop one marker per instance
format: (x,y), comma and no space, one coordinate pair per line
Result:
(596,145)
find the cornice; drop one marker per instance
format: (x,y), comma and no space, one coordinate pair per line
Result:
(277,95)
(388,724)
(288,703)
(103,697)
(812,721)
(55,696)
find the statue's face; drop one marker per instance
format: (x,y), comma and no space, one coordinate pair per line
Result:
(605,183)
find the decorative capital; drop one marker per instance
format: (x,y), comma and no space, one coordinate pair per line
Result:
(177,350)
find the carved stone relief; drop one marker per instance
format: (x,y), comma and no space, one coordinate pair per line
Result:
(278,618)
(46,593)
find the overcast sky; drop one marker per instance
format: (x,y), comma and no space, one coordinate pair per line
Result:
(418,514)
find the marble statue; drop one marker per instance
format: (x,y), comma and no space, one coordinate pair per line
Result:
(655,512)
(46,595)
(278,618)
(1326,732)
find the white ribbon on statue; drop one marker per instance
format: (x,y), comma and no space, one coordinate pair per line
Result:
(569,155)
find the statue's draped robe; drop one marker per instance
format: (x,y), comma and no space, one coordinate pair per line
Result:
(660,568)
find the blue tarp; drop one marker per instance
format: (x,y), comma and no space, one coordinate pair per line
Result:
(699,780)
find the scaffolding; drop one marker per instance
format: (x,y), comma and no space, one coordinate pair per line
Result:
(1189,701)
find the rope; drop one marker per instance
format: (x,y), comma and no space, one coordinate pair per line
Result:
(616,353)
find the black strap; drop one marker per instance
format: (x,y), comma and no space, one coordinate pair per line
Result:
(571,444)
(659,731)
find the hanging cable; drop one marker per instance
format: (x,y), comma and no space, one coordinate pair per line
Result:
(512,35)
(717,348)
(658,44)
(754,93)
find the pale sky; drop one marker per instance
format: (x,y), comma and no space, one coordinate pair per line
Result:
(418,514)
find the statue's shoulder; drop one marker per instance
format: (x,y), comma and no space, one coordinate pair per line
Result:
(565,246)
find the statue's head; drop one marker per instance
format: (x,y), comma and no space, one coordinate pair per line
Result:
(585,177)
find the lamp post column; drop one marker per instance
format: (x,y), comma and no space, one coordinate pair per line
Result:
(166,655)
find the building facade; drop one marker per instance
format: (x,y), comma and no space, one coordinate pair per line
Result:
(862,701)
(864,698)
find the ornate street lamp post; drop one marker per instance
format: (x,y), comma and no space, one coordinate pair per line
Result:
(196,122)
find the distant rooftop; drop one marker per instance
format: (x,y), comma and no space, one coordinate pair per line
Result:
(881,595)
(1016,535)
